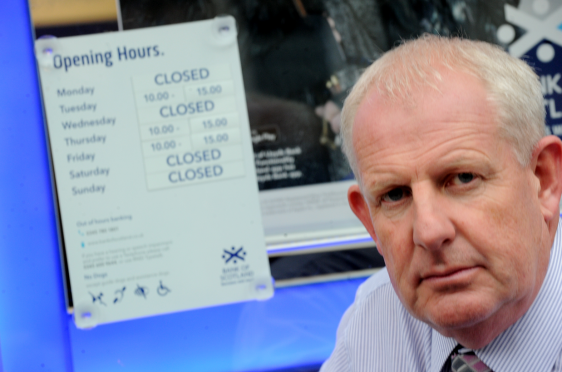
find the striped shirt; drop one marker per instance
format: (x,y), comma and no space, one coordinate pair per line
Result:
(377,333)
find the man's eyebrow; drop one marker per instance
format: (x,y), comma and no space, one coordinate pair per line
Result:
(456,162)
(386,181)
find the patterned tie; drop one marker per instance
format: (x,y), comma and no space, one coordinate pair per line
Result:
(466,361)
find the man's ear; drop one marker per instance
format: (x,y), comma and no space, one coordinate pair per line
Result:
(361,209)
(548,170)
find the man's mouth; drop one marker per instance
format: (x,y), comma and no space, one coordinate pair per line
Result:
(450,276)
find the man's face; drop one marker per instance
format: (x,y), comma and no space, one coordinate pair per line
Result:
(454,214)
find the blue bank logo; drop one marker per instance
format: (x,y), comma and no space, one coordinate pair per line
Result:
(540,45)
(550,74)
(233,255)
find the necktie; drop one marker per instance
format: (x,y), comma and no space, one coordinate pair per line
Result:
(464,360)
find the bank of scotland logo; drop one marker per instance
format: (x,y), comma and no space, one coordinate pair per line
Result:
(541,21)
(540,44)
(234,255)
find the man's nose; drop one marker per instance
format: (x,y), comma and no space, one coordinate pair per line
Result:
(433,229)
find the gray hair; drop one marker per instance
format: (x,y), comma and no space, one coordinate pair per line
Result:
(513,87)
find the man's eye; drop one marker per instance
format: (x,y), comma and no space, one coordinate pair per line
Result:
(463,178)
(394,195)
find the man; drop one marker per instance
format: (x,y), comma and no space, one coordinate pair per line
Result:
(460,191)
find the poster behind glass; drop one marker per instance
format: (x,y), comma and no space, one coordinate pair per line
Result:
(299,60)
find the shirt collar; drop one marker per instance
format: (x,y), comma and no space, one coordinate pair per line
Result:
(441,348)
(531,343)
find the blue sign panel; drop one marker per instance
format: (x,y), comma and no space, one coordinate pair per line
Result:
(546,58)
(540,45)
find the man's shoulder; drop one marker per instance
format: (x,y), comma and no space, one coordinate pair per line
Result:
(378,329)
(375,283)
(377,293)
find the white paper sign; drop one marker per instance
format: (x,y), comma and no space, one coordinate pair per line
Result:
(154,170)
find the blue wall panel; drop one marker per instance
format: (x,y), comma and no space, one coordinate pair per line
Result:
(33,323)
(1,368)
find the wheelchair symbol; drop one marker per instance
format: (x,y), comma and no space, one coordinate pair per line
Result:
(162,290)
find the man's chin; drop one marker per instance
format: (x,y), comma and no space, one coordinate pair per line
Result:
(457,315)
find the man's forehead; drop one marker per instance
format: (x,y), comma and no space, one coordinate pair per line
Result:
(453,115)
(458,90)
